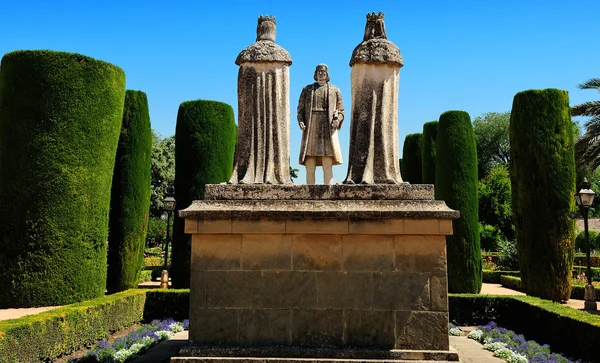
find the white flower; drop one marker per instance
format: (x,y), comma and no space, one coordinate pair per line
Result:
(176,327)
(163,334)
(517,358)
(476,334)
(494,346)
(122,355)
(455,331)
(502,352)
(147,341)
(487,339)
(136,347)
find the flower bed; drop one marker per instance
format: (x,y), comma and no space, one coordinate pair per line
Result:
(513,347)
(133,344)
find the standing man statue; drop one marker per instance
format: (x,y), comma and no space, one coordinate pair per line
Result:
(320,116)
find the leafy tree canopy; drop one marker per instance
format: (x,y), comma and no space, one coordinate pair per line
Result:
(162,170)
(491,137)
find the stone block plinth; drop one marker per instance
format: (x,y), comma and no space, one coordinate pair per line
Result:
(319,267)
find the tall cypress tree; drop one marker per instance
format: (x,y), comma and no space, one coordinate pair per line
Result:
(456,184)
(130,195)
(428,151)
(411,158)
(60,116)
(542,165)
(205,139)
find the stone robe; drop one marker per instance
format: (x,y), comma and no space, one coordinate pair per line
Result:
(319,138)
(263,152)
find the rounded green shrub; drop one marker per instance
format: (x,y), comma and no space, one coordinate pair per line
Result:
(542,170)
(580,245)
(205,139)
(60,117)
(428,152)
(130,195)
(456,184)
(411,159)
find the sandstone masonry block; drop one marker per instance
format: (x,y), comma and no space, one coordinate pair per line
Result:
(216,252)
(265,328)
(369,329)
(421,226)
(248,226)
(317,226)
(400,291)
(420,253)
(317,252)
(376,226)
(214,226)
(198,289)
(422,330)
(344,290)
(214,327)
(234,289)
(438,287)
(363,252)
(266,252)
(317,328)
(289,289)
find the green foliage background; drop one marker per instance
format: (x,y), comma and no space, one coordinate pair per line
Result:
(130,195)
(495,206)
(411,159)
(456,184)
(162,171)
(60,117)
(543,184)
(205,139)
(428,141)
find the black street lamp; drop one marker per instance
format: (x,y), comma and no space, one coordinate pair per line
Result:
(584,199)
(169,205)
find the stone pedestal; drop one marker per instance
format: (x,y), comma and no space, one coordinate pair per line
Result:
(319,267)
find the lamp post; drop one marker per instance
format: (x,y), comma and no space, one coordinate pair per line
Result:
(584,199)
(169,205)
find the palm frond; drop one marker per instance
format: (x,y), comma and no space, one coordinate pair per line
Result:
(593,83)
(591,108)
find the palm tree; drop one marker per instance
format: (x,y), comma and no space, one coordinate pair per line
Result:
(587,147)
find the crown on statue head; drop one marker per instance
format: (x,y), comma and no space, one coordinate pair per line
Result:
(374,17)
(270,18)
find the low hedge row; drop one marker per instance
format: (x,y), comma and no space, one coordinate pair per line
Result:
(61,331)
(579,269)
(45,336)
(568,330)
(577,292)
(493,277)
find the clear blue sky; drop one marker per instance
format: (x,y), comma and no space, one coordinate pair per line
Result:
(459,55)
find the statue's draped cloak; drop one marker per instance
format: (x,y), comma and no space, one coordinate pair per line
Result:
(375,79)
(263,151)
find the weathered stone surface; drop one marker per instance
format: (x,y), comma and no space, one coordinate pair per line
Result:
(234,289)
(216,252)
(214,327)
(335,209)
(422,330)
(319,192)
(293,354)
(365,252)
(400,291)
(289,289)
(263,149)
(317,328)
(261,328)
(438,287)
(375,79)
(344,290)
(316,226)
(373,329)
(420,253)
(317,252)
(198,289)
(267,252)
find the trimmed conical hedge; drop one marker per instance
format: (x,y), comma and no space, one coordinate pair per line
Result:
(205,139)
(60,116)
(456,184)
(542,165)
(411,159)
(130,195)
(428,152)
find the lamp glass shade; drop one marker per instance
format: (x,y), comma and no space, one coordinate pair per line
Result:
(578,199)
(169,203)
(587,197)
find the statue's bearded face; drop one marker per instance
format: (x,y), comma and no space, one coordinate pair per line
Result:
(321,75)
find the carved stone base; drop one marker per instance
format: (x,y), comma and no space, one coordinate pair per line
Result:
(303,355)
(319,273)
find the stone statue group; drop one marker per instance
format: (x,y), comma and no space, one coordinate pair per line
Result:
(262,154)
